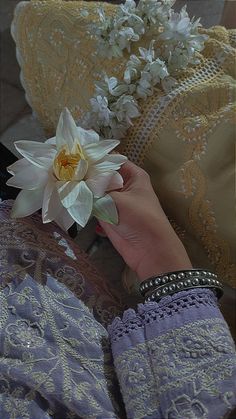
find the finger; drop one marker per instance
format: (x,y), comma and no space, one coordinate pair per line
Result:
(130,172)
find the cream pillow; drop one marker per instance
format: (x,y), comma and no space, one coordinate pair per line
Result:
(185,140)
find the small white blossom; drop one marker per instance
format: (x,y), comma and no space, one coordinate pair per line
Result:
(127,13)
(101,111)
(110,86)
(182,40)
(117,129)
(122,38)
(154,12)
(147,54)
(144,87)
(133,68)
(178,26)
(168,84)
(125,108)
(157,70)
(128,8)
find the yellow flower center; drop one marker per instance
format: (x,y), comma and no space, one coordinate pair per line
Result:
(65,163)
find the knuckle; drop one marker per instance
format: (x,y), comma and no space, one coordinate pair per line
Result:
(144,174)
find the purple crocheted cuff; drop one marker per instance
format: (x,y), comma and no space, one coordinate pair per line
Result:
(153,319)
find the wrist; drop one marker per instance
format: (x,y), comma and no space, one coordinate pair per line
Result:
(163,255)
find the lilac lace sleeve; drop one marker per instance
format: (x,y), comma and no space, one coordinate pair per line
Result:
(175,359)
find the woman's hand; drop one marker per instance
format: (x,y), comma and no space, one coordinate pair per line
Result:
(144,236)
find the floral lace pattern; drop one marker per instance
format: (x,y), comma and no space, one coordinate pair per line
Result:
(29,248)
(183,373)
(55,357)
(48,333)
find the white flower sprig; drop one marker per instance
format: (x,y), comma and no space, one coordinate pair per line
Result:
(116,33)
(115,103)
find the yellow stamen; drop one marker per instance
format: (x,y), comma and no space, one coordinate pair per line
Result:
(65,163)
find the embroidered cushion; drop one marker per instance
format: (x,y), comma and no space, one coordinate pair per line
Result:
(185,139)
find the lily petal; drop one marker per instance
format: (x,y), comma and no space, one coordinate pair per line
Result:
(99,184)
(68,192)
(51,141)
(30,178)
(66,132)
(97,151)
(64,219)
(19,165)
(40,154)
(51,203)
(106,165)
(116,158)
(87,136)
(80,170)
(82,208)
(111,162)
(105,209)
(27,202)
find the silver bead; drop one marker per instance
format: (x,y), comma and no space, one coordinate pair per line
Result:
(180,285)
(158,294)
(165,290)
(152,297)
(190,273)
(187,283)
(196,273)
(151,283)
(157,281)
(195,281)
(172,287)
(148,299)
(173,277)
(181,275)
(204,273)
(203,281)
(146,285)
(164,279)
(217,283)
(213,281)
(209,281)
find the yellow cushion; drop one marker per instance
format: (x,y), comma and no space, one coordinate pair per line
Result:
(185,140)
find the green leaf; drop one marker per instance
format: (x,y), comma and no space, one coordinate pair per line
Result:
(105,209)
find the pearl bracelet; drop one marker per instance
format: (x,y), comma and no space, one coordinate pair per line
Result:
(158,287)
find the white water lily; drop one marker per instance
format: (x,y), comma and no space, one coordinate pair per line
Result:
(67,176)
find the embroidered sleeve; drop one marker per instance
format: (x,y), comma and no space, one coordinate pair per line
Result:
(175,359)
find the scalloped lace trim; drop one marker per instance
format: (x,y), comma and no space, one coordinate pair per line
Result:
(167,307)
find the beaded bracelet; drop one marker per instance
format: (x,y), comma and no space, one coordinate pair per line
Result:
(156,288)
